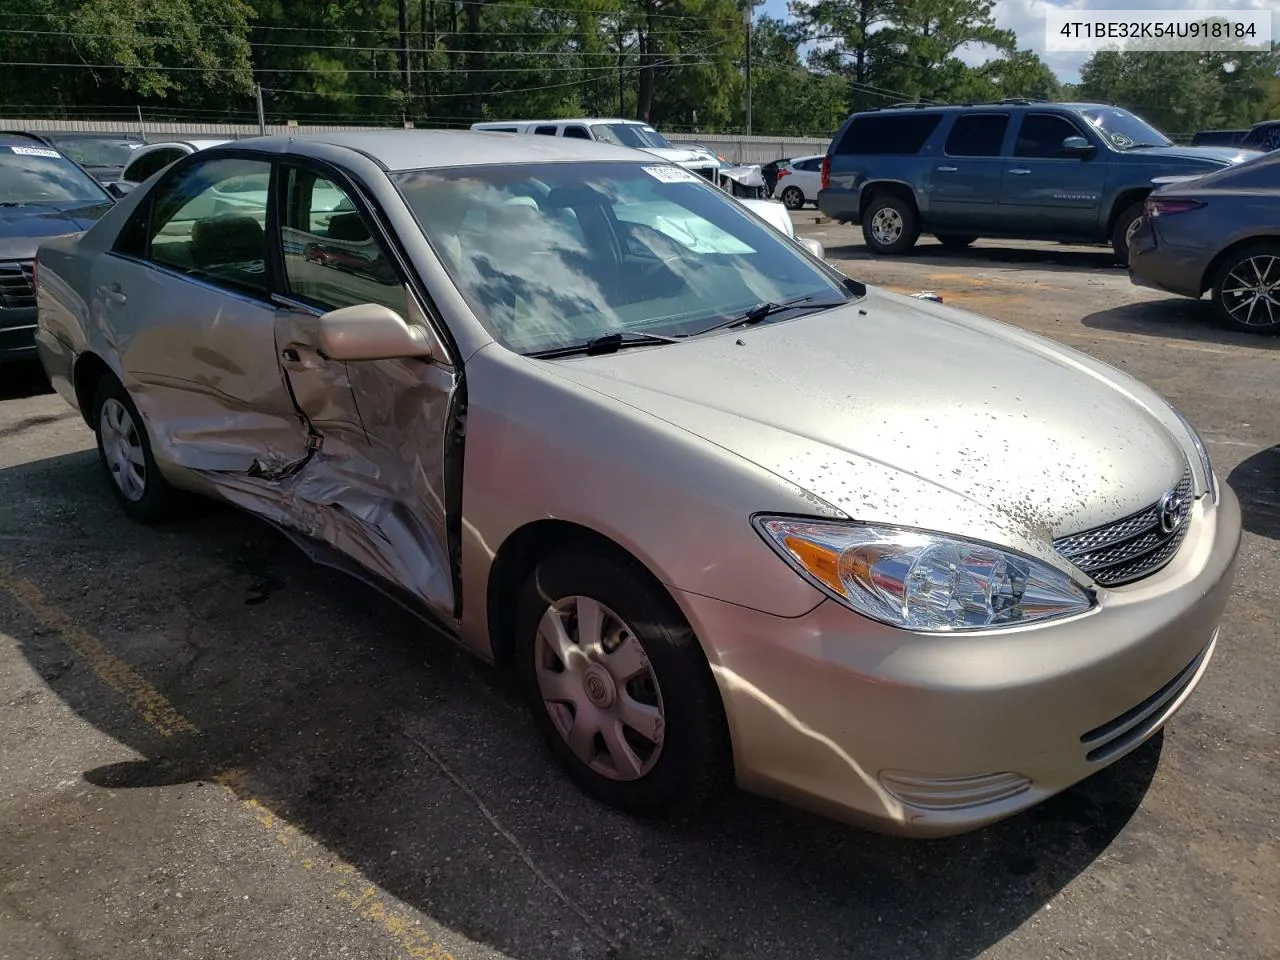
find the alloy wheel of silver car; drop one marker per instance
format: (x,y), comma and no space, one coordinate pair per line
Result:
(793,198)
(886,226)
(1250,292)
(599,688)
(122,447)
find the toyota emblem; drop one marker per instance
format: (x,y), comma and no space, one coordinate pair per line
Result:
(1173,511)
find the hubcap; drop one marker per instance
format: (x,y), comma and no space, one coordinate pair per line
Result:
(122,447)
(1251,292)
(792,197)
(886,225)
(599,689)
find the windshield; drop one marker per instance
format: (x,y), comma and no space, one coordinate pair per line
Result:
(1123,129)
(553,255)
(630,135)
(39,174)
(97,152)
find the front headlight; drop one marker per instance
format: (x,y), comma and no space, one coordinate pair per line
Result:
(1211,484)
(928,582)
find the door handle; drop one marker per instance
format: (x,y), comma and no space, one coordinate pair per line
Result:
(1019,171)
(112,293)
(290,354)
(947,169)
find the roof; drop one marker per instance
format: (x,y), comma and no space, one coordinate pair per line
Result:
(631,123)
(1011,102)
(196,144)
(419,149)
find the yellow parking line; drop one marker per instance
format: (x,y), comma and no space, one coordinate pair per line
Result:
(147,702)
(154,709)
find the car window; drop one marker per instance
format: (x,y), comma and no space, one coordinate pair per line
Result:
(148,164)
(808,166)
(331,257)
(977,135)
(557,253)
(1263,137)
(32,173)
(903,133)
(209,221)
(106,151)
(1041,136)
(546,131)
(579,133)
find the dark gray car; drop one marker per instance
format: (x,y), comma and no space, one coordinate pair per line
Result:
(1219,233)
(1018,169)
(42,195)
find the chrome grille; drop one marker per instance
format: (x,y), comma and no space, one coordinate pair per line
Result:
(16,290)
(1129,549)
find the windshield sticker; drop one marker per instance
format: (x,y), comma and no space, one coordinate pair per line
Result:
(35,151)
(672,174)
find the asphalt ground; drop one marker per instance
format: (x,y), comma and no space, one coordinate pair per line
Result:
(210,748)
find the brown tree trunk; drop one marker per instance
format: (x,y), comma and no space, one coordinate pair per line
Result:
(648,74)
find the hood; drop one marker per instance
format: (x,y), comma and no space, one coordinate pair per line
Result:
(899,411)
(1215,156)
(23,228)
(683,155)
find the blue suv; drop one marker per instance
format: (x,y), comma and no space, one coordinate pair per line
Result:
(1019,169)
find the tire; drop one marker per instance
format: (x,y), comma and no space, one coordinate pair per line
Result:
(1120,231)
(793,198)
(885,213)
(1265,257)
(684,761)
(955,241)
(143,494)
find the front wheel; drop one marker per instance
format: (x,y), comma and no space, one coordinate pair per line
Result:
(124,450)
(618,685)
(1246,290)
(890,225)
(1120,231)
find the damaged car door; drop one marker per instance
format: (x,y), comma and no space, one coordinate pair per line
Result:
(375,486)
(185,294)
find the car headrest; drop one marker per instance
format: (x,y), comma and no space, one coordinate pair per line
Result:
(349,227)
(227,239)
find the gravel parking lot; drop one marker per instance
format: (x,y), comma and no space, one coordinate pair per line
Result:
(210,748)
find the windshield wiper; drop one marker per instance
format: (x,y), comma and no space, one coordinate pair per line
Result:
(762,311)
(608,343)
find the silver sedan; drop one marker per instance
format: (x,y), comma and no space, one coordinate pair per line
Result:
(728,514)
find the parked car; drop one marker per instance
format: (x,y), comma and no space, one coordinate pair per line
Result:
(42,194)
(156,156)
(623,133)
(1217,234)
(799,181)
(726,513)
(1219,138)
(102,155)
(1264,136)
(1020,169)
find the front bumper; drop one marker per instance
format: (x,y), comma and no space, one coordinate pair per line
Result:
(933,735)
(17,334)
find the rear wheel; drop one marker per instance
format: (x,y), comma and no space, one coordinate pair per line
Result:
(955,241)
(793,198)
(618,684)
(890,225)
(1246,290)
(1120,231)
(124,450)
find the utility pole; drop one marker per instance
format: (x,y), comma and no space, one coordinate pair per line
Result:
(262,117)
(406,69)
(746,17)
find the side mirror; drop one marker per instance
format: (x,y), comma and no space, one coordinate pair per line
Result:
(120,188)
(813,246)
(1077,146)
(369,331)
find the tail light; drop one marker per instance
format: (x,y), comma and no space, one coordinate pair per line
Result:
(826,172)
(1164,206)
(784,172)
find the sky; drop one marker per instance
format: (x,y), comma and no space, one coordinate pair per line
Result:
(1026,19)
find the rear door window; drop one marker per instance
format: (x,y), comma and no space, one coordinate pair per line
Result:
(546,130)
(898,133)
(977,135)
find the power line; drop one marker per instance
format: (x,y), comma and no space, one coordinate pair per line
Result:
(310,70)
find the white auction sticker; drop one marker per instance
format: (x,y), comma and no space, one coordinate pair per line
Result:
(672,174)
(35,151)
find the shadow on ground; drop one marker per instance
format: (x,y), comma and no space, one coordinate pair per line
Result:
(1178,318)
(21,380)
(989,253)
(1256,482)
(349,720)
